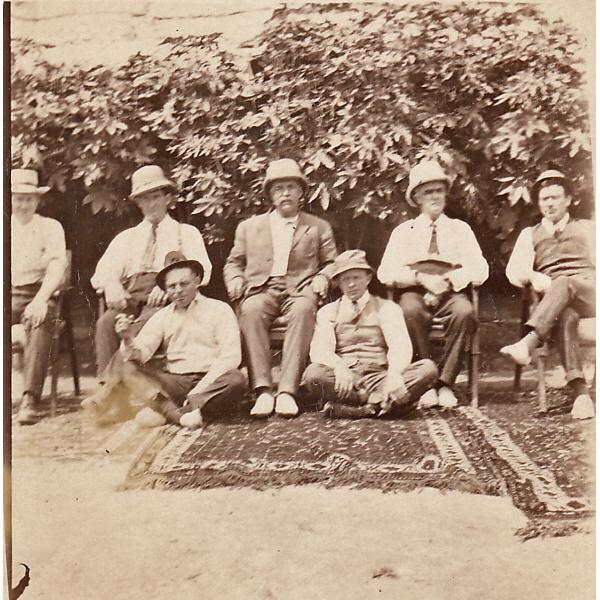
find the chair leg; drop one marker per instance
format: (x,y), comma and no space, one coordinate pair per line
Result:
(541,371)
(71,345)
(54,356)
(517,379)
(474,377)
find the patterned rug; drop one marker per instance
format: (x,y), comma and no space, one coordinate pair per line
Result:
(460,450)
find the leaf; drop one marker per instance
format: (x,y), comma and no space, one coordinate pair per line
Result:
(325,197)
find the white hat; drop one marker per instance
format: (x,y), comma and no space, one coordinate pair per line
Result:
(424,172)
(25,181)
(285,168)
(148,178)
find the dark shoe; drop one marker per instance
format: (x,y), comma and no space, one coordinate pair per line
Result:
(28,411)
(169,409)
(336,410)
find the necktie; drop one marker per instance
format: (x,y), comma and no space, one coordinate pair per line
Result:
(433,247)
(355,312)
(150,252)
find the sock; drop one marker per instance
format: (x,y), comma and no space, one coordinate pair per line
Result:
(578,387)
(261,390)
(532,340)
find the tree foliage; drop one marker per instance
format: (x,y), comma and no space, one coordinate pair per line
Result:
(356,93)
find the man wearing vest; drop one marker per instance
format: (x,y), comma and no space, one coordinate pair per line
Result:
(127,271)
(279,265)
(556,257)
(433,259)
(38,265)
(361,351)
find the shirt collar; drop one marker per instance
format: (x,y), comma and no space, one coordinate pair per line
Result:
(145,224)
(426,221)
(197,299)
(551,227)
(277,218)
(14,222)
(361,302)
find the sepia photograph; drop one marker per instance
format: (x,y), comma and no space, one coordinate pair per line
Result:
(302,300)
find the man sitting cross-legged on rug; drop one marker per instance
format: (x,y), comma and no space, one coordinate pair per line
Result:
(361,351)
(201,340)
(556,257)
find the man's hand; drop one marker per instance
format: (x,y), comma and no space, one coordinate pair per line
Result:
(394,387)
(541,283)
(320,285)
(236,288)
(122,324)
(436,284)
(157,297)
(344,381)
(35,312)
(116,296)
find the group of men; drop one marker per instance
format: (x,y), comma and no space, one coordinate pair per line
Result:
(167,353)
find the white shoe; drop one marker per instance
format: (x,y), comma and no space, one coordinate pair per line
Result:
(583,407)
(428,400)
(518,353)
(446,398)
(286,406)
(191,420)
(263,407)
(148,417)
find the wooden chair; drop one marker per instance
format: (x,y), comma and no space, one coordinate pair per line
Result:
(587,337)
(436,335)
(62,329)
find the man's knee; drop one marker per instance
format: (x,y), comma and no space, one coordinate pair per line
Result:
(315,374)
(106,323)
(253,307)
(412,306)
(428,371)
(302,308)
(462,309)
(236,382)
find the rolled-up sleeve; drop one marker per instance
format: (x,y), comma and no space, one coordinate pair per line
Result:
(111,266)
(323,344)
(519,269)
(55,247)
(148,340)
(475,268)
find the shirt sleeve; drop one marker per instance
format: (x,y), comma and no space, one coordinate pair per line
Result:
(519,269)
(393,269)
(111,266)
(396,336)
(230,347)
(475,268)
(148,340)
(55,247)
(323,344)
(194,248)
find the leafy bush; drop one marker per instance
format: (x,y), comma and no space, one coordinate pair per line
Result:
(357,94)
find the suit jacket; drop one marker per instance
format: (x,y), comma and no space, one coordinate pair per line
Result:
(313,250)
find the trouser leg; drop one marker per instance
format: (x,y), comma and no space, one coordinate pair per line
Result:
(257,314)
(418,323)
(460,321)
(319,381)
(222,396)
(300,313)
(419,377)
(565,335)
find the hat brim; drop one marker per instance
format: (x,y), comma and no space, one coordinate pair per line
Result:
(268,184)
(27,189)
(412,188)
(150,187)
(349,267)
(194,265)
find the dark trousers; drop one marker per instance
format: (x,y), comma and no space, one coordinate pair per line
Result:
(257,314)
(36,353)
(557,316)
(456,312)
(419,377)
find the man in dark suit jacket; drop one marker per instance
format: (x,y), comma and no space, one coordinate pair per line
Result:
(280,264)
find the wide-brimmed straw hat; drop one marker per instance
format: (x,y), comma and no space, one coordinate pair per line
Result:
(350,259)
(426,171)
(176,260)
(25,181)
(545,176)
(285,168)
(148,178)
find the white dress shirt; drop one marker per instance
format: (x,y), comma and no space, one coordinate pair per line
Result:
(124,256)
(282,233)
(33,247)
(324,344)
(456,242)
(519,269)
(202,338)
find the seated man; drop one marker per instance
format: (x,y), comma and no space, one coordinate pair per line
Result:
(556,257)
(279,266)
(38,265)
(201,339)
(433,259)
(361,351)
(126,272)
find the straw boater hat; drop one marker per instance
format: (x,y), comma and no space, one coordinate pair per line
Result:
(545,176)
(350,259)
(148,178)
(25,181)
(285,168)
(426,171)
(176,260)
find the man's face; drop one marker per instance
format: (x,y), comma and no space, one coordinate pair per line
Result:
(181,286)
(154,204)
(554,202)
(286,195)
(24,206)
(431,198)
(354,283)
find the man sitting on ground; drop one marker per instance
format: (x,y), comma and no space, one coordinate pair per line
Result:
(201,340)
(556,257)
(38,266)
(361,351)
